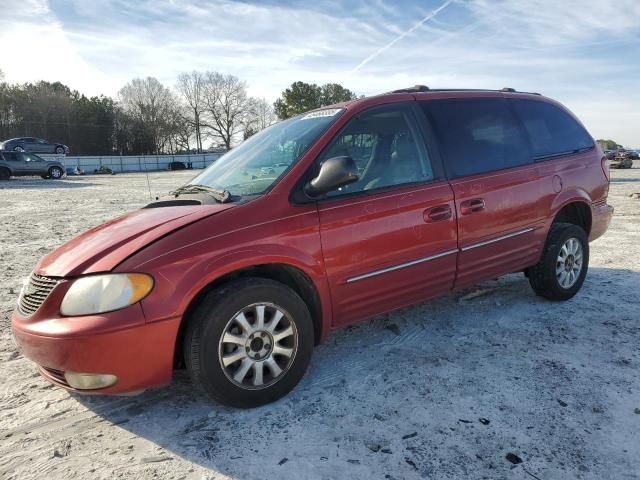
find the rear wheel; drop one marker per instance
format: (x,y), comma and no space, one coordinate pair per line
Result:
(59,150)
(55,173)
(249,342)
(561,271)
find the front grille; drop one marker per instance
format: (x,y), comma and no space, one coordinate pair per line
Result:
(34,293)
(56,376)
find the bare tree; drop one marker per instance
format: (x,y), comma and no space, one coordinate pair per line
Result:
(150,103)
(190,86)
(262,113)
(227,106)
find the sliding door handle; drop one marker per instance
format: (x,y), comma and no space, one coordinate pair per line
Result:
(471,206)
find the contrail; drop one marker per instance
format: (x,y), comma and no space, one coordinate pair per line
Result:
(401,36)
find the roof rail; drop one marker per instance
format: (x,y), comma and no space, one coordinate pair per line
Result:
(513,90)
(414,89)
(424,88)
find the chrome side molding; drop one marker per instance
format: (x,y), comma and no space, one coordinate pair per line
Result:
(497,239)
(437,255)
(402,265)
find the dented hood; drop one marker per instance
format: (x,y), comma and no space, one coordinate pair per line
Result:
(103,247)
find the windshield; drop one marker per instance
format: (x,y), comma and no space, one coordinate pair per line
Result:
(254,165)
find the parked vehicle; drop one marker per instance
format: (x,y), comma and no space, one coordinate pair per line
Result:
(35,145)
(238,277)
(621,161)
(176,166)
(20,164)
(632,154)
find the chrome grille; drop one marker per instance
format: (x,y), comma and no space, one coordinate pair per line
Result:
(34,293)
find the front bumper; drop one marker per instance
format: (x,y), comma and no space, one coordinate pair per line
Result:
(140,355)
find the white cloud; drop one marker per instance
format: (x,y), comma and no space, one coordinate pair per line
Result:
(579,52)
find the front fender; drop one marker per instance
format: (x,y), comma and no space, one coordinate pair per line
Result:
(177,286)
(187,261)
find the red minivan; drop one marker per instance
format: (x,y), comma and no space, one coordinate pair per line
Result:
(316,222)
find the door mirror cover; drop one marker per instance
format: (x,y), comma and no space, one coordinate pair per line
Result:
(334,173)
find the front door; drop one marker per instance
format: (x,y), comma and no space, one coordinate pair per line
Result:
(388,240)
(33,165)
(496,185)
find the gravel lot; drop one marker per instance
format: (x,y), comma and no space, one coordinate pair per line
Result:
(453,388)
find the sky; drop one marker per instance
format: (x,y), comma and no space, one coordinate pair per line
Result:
(584,53)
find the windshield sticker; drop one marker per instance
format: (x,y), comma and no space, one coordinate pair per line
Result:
(327,112)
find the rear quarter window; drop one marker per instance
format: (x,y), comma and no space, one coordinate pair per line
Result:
(10,156)
(477,135)
(551,130)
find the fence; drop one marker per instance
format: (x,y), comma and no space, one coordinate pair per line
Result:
(134,163)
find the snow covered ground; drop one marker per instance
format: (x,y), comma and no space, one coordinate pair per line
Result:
(465,386)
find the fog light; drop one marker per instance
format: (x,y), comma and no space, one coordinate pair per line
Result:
(89,381)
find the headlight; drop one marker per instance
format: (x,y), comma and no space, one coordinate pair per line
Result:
(104,293)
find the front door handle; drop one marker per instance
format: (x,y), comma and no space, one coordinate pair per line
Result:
(471,206)
(436,214)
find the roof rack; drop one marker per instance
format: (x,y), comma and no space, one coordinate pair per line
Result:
(423,88)
(414,89)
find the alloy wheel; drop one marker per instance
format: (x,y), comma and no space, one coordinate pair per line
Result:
(569,263)
(258,346)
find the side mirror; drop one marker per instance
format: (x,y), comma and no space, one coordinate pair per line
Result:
(334,173)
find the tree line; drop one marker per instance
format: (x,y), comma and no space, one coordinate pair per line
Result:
(203,110)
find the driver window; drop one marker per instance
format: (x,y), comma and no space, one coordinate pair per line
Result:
(386,148)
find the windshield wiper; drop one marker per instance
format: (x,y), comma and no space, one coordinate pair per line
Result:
(222,196)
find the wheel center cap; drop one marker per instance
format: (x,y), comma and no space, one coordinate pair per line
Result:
(256,344)
(569,263)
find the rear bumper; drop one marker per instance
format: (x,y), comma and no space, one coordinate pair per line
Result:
(601,214)
(140,356)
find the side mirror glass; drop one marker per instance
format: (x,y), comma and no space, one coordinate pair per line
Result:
(334,173)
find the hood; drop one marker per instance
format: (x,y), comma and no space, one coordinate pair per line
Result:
(103,247)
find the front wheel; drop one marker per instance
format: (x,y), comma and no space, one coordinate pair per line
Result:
(249,342)
(55,173)
(561,271)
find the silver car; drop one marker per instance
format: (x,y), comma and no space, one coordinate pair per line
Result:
(33,144)
(18,164)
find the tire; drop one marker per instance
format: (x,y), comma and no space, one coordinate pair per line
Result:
(5,174)
(546,277)
(56,173)
(239,383)
(59,150)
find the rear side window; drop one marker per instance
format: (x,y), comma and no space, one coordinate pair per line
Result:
(477,135)
(10,156)
(551,130)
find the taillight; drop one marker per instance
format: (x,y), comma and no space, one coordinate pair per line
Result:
(605,168)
